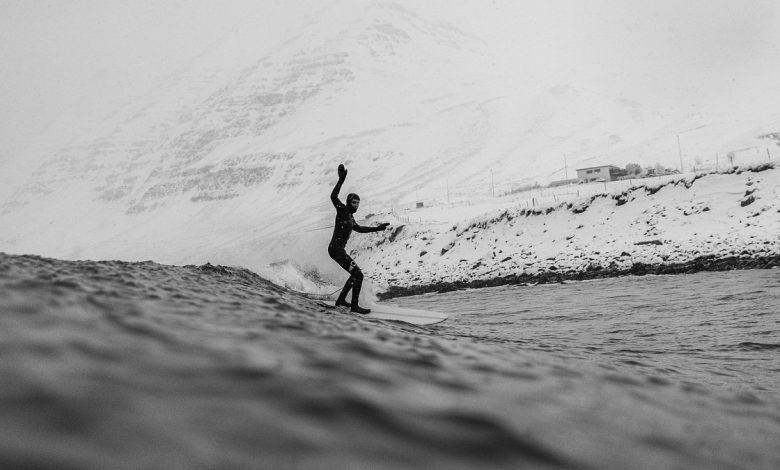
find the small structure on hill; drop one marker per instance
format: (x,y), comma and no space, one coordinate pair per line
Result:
(600,173)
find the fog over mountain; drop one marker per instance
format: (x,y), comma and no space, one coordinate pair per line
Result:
(230,156)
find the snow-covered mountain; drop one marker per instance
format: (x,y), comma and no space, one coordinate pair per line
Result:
(233,162)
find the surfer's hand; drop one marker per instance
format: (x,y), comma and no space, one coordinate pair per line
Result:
(342,172)
(384,225)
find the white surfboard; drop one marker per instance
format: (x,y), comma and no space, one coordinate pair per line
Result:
(384,311)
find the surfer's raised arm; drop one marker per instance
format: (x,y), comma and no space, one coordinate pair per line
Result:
(334,195)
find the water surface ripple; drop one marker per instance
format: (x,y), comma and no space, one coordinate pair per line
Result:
(139,365)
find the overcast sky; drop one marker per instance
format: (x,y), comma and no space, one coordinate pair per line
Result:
(68,60)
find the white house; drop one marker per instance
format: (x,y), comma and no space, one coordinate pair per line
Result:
(600,173)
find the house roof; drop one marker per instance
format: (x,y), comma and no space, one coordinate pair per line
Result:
(600,166)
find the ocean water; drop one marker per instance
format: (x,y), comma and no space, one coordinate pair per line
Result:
(139,365)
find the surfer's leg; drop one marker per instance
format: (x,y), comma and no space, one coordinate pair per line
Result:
(342,300)
(357,275)
(346,262)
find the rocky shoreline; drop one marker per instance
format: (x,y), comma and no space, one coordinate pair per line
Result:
(700,264)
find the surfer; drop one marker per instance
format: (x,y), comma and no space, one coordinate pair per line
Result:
(345,224)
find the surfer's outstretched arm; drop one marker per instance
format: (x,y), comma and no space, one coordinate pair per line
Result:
(334,195)
(378,228)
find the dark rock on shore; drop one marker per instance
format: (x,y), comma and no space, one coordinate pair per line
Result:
(702,263)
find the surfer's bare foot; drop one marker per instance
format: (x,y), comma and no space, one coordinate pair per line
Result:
(343,303)
(361,310)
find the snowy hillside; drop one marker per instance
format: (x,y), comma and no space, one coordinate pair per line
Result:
(716,218)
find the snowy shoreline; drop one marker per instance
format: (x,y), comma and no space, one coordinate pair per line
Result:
(704,222)
(704,263)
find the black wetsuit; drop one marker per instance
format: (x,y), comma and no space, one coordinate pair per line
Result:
(345,224)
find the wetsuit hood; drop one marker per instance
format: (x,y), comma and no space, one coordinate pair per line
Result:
(350,198)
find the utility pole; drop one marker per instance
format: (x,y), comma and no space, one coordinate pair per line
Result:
(768,155)
(717,157)
(679,152)
(565,168)
(679,147)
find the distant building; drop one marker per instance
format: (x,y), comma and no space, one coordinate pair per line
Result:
(600,173)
